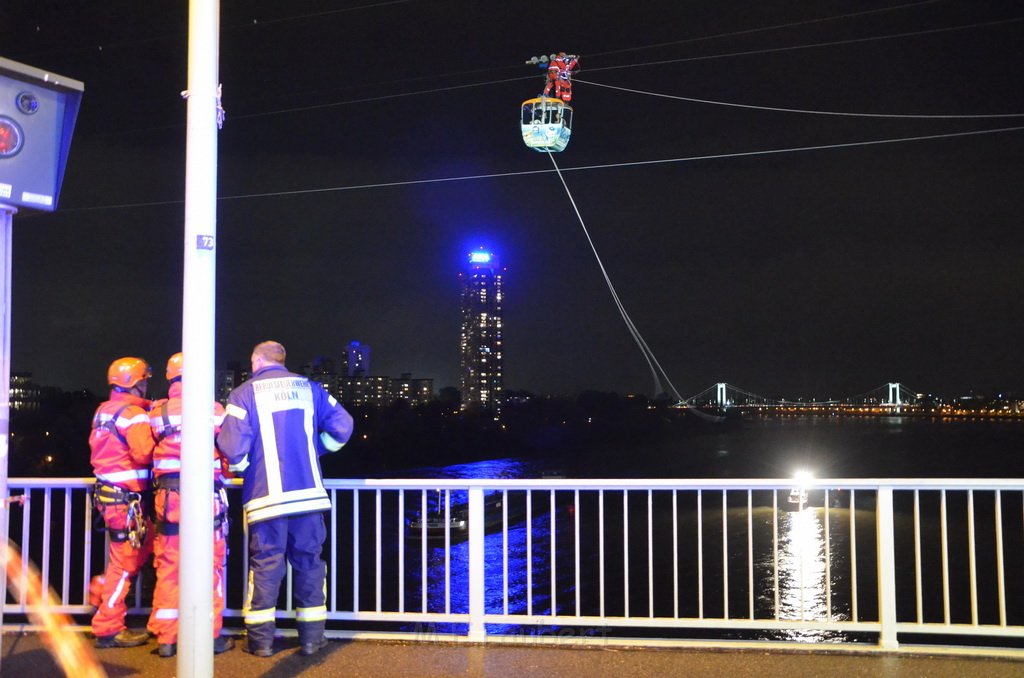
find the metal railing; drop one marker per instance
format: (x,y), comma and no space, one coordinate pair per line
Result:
(862,562)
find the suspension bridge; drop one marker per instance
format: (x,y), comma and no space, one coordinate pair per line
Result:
(891,397)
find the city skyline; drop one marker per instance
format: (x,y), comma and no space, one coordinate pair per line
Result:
(766,215)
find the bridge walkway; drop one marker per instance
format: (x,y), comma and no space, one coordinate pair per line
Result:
(25,655)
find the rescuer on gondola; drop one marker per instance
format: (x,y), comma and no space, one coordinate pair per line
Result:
(560,70)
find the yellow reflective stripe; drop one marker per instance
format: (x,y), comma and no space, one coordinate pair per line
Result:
(233,410)
(309,506)
(240,466)
(272,500)
(250,587)
(260,616)
(311,614)
(255,616)
(330,442)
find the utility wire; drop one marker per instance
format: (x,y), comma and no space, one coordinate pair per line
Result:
(803,110)
(183,35)
(365,100)
(318,15)
(717,36)
(763,29)
(628,49)
(258,23)
(815,45)
(637,337)
(496,175)
(296,109)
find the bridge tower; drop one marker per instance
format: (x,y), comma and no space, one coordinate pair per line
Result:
(721,399)
(893,399)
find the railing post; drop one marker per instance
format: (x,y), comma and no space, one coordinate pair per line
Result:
(886,570)
(6,242)
(476,564)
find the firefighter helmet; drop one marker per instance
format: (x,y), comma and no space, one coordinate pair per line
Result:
(126,372)
(174,367)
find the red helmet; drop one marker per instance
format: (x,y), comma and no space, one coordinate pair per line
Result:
(174,367)
(126,372)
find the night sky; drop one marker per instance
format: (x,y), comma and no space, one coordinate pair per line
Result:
(814,273)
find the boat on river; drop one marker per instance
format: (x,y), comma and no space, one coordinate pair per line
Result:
(457,523)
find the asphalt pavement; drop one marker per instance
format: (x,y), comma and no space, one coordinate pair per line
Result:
(25,656)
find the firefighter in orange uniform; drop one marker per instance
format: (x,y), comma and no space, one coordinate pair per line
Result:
(165,422)
(560,75)
(122,453)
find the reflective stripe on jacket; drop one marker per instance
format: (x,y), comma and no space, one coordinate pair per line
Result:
(271,432)
(165,422)
(121,443)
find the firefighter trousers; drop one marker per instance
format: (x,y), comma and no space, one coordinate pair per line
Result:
(297,540)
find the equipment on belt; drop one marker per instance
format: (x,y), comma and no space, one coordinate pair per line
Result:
(134,532)
(171,482)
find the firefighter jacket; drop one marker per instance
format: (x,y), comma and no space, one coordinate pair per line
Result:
(276,426)
(165,420)
(121,444)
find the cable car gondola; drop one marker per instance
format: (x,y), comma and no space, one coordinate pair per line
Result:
(547,124)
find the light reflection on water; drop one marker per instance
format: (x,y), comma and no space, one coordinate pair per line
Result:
(804,588)
(767,448)
(803,593)
(801,566)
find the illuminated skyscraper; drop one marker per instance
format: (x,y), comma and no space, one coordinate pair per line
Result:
(481,363)
(357,360)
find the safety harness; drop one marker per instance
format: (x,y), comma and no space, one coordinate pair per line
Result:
(111,424)
(105,495)
(171,482)
(167,428)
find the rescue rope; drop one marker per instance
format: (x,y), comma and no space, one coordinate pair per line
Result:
(648,354)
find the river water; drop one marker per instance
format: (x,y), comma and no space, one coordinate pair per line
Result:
(778,447)
(829,446)
(815,560)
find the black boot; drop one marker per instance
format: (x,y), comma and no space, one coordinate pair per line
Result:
(126,638)
(223,644)
(313,646)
